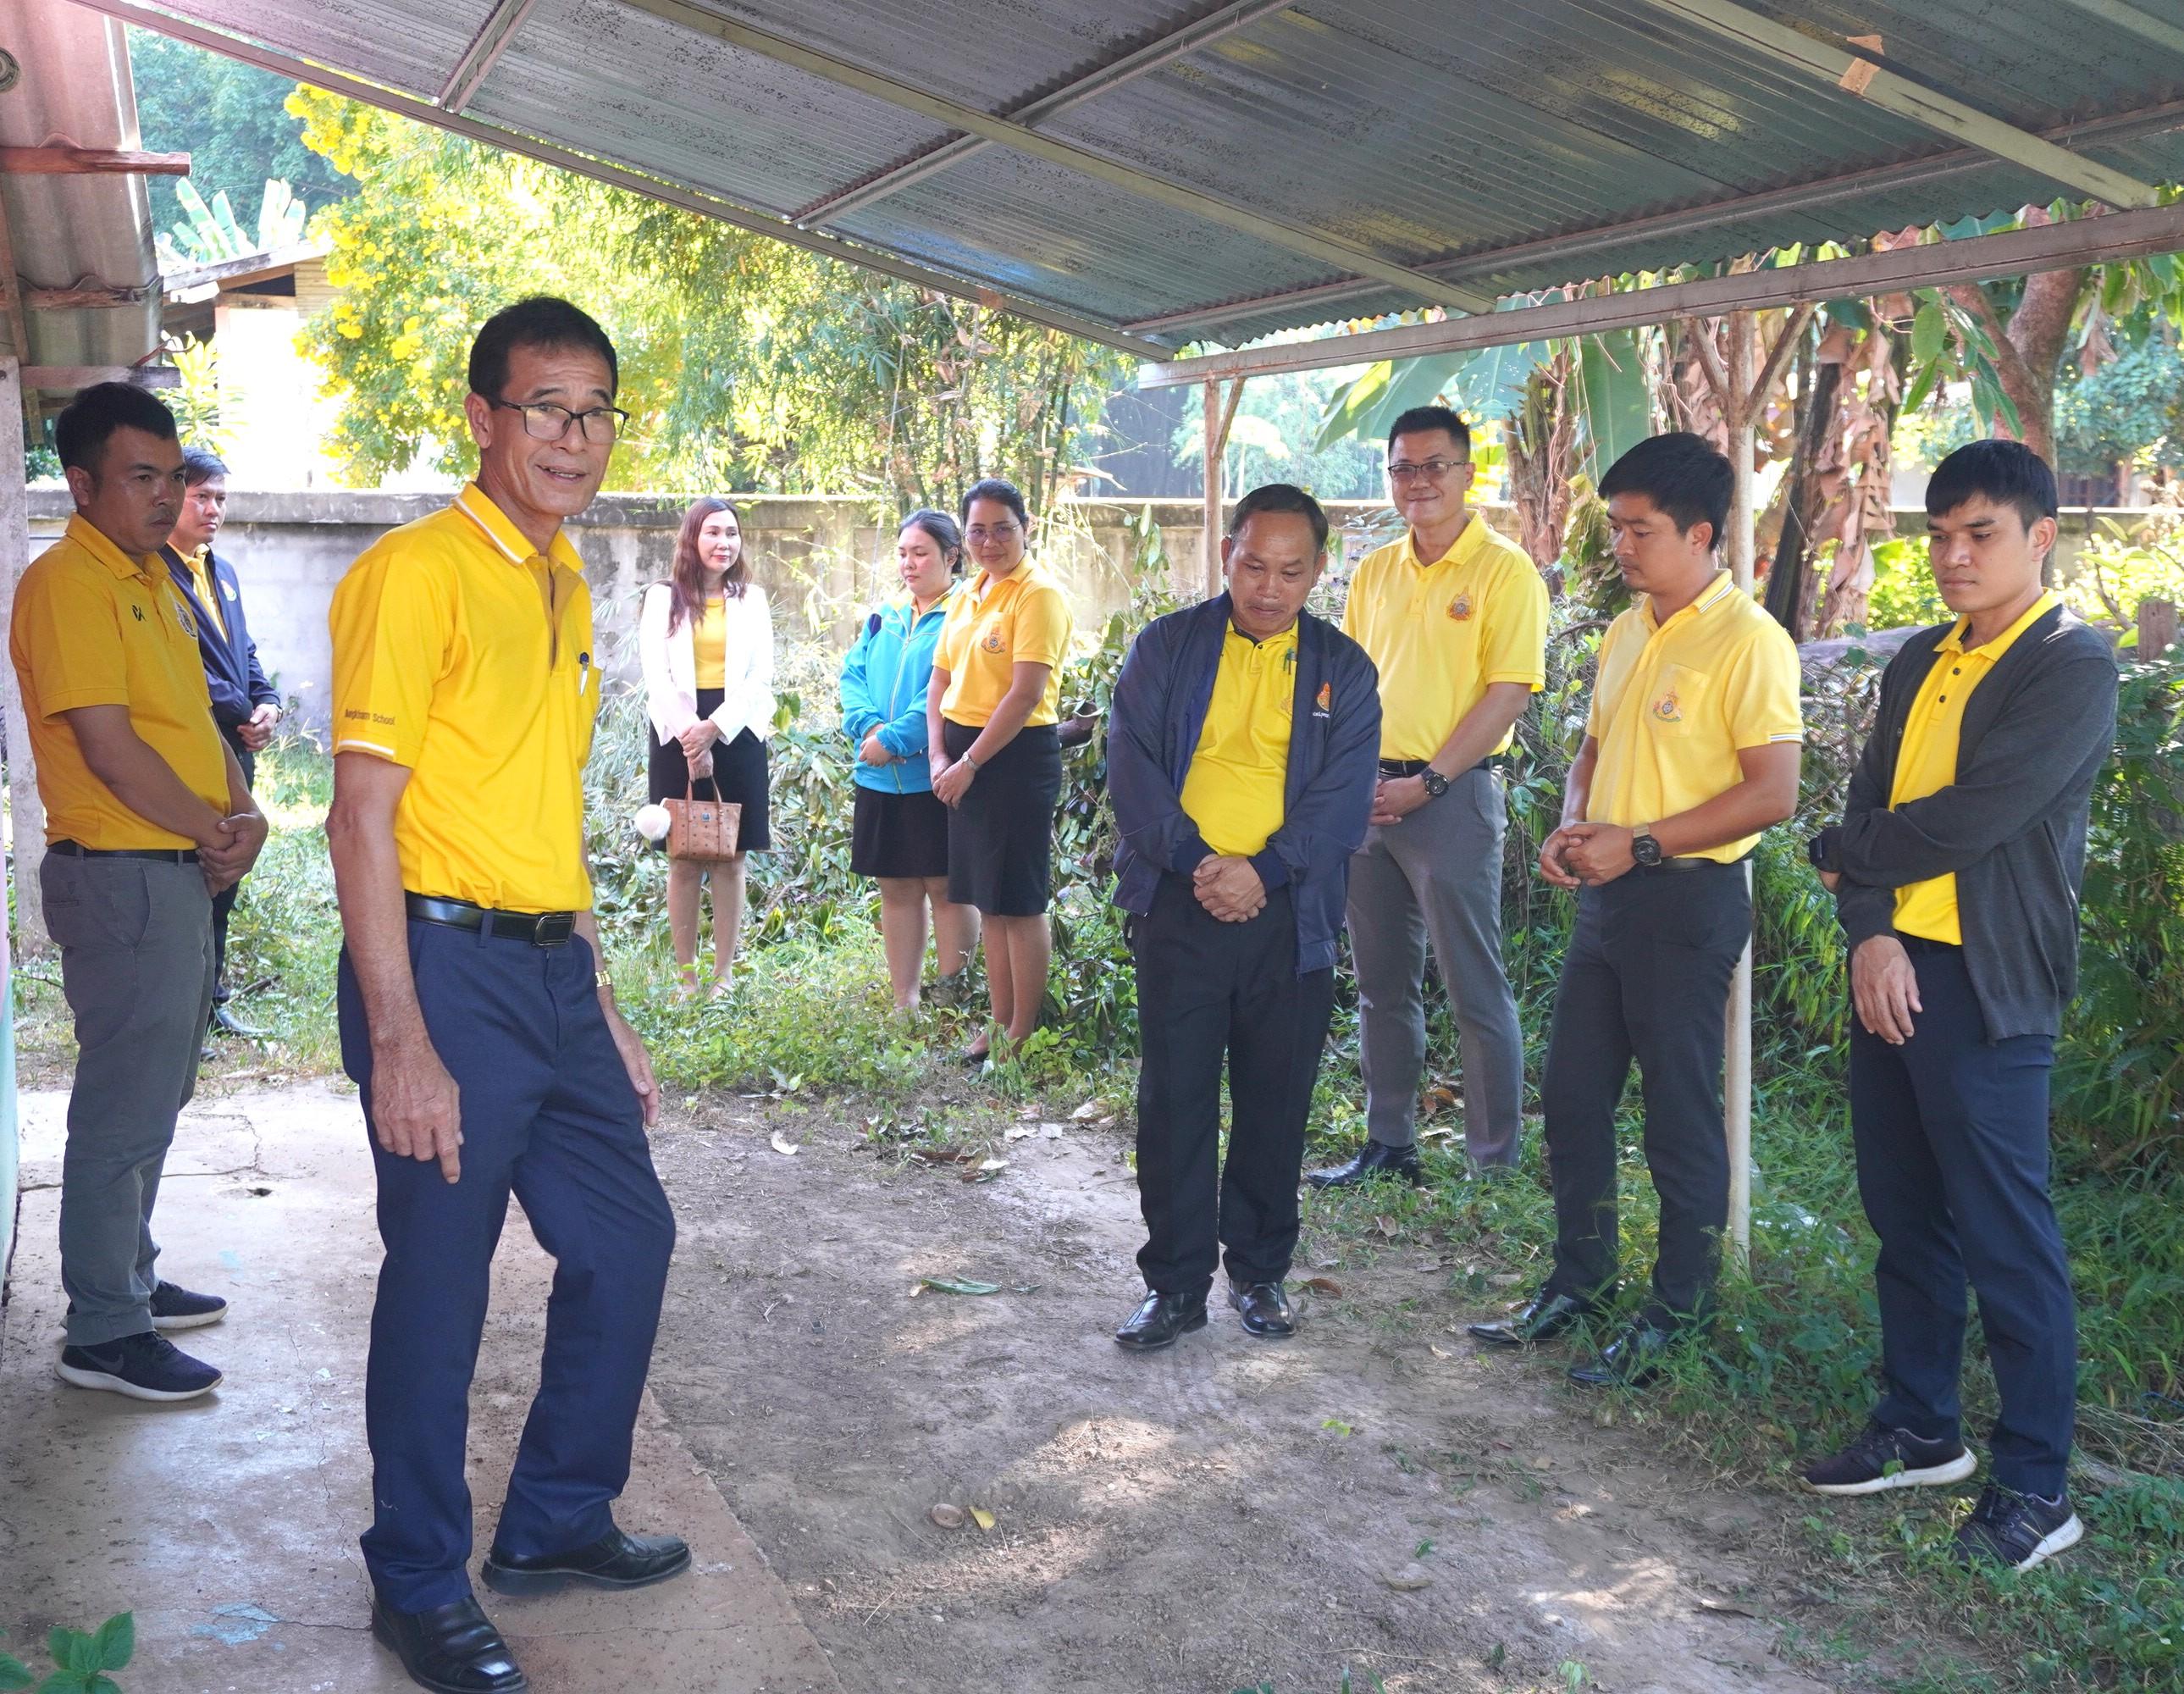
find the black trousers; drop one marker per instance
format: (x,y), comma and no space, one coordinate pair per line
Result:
(1210,991)
(1952,1136)
(1646,977)
(223,903)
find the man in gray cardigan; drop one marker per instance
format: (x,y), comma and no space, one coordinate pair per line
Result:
(1956,873)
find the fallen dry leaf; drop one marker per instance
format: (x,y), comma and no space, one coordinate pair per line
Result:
(948,1155)
(781,1144)
(1438,1350)
(1388,1226)
(1722,1609)
(982,1517)
(1086,1112)
(1323,1284)
(1018,1131)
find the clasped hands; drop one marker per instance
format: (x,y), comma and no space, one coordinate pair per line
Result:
(255,731)
(1228,888)
(225,859)
(697,744)
(1586,855)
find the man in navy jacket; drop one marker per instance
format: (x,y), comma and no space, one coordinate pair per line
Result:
(1241,758)
(244,704)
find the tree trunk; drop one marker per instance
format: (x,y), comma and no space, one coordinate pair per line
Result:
(2028,349)
(1793,554)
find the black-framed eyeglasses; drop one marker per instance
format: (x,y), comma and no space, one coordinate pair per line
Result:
(543,421)
(1433,471)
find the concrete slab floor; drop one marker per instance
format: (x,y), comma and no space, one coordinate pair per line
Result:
(229,1524)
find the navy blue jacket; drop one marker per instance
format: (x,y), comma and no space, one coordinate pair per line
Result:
(233,675)
(1159,706)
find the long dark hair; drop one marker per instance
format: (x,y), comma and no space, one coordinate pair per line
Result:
(687,584)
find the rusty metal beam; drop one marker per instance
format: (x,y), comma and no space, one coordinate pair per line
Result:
(61,159)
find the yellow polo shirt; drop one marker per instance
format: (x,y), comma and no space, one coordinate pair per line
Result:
(447,660)
(1440,633)
(990,629)
(1675,703)
(199,565)
(708,646)
(94,626)
(1234,790)
(1926,762)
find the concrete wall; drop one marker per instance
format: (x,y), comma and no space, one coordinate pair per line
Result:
(824,561)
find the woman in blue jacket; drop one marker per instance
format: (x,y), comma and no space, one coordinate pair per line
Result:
(901,831)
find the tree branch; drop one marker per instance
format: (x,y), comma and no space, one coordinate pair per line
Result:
(1709,357)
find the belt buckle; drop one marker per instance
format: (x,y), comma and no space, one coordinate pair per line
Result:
(543,929)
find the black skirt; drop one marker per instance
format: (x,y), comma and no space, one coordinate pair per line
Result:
(740,775)
(898,835)
(1001,838)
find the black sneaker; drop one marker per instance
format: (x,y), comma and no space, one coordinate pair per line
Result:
(145,1366)
(177,1308)
(1882,1458)
(2017,1531)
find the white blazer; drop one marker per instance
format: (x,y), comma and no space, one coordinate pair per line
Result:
(670,666)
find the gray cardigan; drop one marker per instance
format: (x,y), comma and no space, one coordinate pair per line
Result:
(2012,827)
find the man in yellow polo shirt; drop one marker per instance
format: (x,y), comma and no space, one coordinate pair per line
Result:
(1692,751)
(1455,616)
(1241,759)
(1956,871)
(148,817)
(474,1016)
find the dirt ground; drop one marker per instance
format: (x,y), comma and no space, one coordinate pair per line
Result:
(1373,1495)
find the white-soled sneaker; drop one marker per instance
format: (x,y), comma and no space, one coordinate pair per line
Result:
(146,1366)
(177,1308)
(1882,1458)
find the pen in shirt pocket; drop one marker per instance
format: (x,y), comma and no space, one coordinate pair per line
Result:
(583,673)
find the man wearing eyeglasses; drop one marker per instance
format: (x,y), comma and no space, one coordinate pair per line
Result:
(1456,618)
(474,1018)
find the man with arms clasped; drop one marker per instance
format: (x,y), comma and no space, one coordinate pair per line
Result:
(148,817)
(244,704)
(1454,616)
(1240,760)
(474,1017)
(1690,751)
(1956,872)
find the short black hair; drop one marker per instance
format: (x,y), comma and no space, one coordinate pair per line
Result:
(202,465)
(942,532)
(541,321)
(2008,472)
(1280,497)
(1420,419)
(88,422)
(1679,473)
(993,488)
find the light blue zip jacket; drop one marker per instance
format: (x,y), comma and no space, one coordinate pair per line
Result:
(883,686)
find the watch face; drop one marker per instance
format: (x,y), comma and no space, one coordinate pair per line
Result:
(1646,850)
(1436,784)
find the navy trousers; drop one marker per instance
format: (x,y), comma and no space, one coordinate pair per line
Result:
(549,1114)
(1646,978)
(1213,996)
(1952,1136)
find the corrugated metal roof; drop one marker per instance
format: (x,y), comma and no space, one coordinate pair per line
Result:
(1512,145)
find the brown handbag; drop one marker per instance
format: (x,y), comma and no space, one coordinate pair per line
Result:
(703,829)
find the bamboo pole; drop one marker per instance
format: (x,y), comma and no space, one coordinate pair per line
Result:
(1742,415)
(1220,415)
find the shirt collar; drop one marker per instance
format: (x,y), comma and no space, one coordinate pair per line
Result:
(1723,585)
(1460,550)
(508,540)
(985,587)
(1954,642)
(101,546)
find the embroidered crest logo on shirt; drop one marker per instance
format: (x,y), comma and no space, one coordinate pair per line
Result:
(992,642)
(1460,607)
(1669,709)
(1324,700)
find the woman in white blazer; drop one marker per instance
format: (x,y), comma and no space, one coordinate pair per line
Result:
(705,641)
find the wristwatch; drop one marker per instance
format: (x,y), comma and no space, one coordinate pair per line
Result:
(1436,784)
(1820,850)
(967,760)
(1644,849)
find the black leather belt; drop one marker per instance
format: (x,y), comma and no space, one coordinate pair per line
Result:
(1927,943)
(1411,767)
(1673,867)
(536,928)
(159,855)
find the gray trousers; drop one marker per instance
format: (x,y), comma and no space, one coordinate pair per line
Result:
(1437,874)
(135,941)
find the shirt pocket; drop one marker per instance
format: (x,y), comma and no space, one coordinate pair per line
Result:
(1677,698)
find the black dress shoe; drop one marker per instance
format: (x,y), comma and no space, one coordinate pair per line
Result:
(1540,1318)
(615,1560)
(1631,1360)
(226,1023)
(1160,1319)
(450,1649)
(1374,1159)
(1266,1309)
